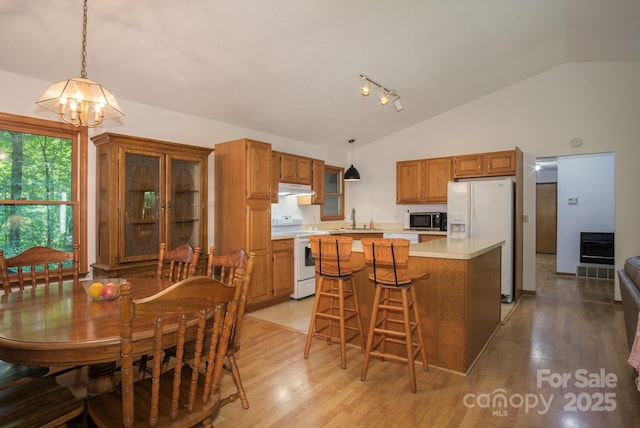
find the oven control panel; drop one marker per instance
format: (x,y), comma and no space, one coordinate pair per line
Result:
(286,220)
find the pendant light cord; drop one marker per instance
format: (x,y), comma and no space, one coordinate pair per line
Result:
(83,72)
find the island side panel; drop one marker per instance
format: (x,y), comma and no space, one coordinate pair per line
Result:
(459,309)
(483,302)
(441,300)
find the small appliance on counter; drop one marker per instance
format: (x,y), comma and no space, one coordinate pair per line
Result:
(425,221)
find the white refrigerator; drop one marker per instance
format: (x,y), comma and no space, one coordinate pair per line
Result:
(485,209)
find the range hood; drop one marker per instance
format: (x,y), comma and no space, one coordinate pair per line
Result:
(291,189)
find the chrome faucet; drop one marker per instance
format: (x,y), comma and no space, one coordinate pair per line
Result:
(353,218)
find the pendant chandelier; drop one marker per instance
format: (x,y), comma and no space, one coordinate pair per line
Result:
(351,174)
(80,101)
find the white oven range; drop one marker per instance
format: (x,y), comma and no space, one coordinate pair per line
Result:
(304,263)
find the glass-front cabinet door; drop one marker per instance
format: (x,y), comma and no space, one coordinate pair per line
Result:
(184,204)
(142,205)
(150,192)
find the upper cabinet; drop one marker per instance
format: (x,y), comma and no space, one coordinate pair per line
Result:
(295,169)
(258,167)
(318,181)
(148,192)
(275,176)
(423,180)
(485,164)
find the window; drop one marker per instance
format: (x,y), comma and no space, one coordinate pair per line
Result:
(333,207)
(43,185)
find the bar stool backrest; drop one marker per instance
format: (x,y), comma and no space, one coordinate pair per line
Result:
(388,260)
(332,254)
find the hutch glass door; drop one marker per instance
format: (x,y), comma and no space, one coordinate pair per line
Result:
(142,205)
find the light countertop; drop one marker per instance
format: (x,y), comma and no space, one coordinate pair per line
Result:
(448,248)
(389,229)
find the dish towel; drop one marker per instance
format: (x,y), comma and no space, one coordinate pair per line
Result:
(634,357)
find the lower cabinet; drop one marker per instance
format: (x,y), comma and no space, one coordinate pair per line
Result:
(282,268)
(424,237)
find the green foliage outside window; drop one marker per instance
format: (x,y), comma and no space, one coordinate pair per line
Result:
(36,185)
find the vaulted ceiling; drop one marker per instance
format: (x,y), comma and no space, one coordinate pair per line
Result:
(291,67)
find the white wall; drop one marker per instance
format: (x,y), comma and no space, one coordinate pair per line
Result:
(589,178)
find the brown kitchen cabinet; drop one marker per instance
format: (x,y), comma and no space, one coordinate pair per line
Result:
(282,267)
(242,204)
(485,164)
(424,237)
(148,192)
(317,185)
(423,180)
(275,176)
(295,169)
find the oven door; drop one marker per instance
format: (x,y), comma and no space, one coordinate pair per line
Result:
(305,263)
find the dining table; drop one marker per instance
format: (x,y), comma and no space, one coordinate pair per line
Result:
(61,326)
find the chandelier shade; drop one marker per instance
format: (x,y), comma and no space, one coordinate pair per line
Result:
(80,101)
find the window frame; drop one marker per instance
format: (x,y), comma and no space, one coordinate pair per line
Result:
(340,172)
(79,139)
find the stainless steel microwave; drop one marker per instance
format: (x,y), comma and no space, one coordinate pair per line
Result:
(426,221)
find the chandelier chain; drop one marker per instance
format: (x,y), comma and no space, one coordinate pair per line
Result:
(83,72)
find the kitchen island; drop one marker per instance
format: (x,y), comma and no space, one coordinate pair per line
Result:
(459,302)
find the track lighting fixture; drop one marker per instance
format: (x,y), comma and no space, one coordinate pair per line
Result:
(384,95)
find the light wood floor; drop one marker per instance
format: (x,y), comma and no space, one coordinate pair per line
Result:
(571,324)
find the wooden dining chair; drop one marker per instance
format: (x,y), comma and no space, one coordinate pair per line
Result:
(38,265)
(223,268)
(175,265)
(31,267)
(179,263)
(182,396)
(40,402)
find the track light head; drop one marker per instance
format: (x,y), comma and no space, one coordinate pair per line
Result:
(365,89)
(397,104)
(383,96)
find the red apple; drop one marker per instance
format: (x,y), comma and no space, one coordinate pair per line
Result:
(109,290)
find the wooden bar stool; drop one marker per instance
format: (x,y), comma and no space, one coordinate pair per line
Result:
(395,317)
(336,300)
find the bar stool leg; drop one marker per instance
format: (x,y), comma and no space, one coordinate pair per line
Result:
(370,334)
(408,339)
(357,310)
(343,336)
(316,304)
(416,314)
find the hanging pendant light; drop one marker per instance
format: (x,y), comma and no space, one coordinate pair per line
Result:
(351,174)
(80,101)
